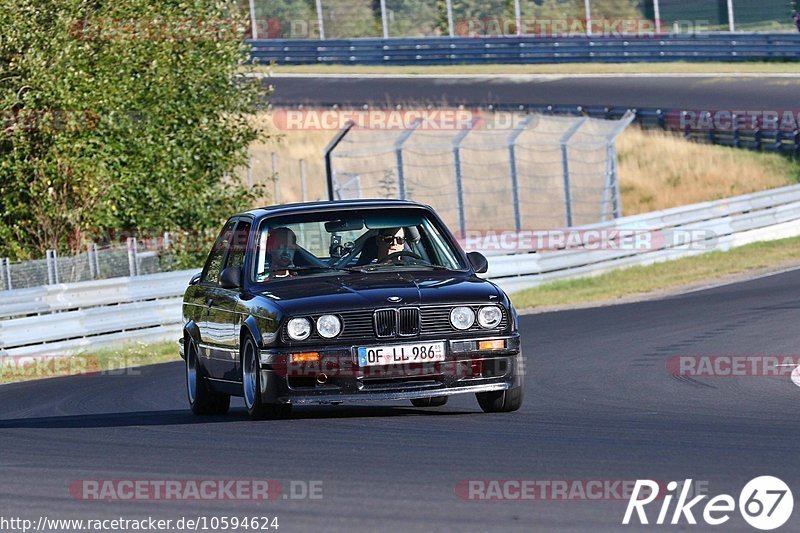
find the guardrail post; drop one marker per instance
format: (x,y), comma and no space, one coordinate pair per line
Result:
(588,8)
(398,152)
(462,218)
(7,273)
(512,164)
(657,15)
(565,167)
(52,267)
(731,23)
(518,16)
(132,266)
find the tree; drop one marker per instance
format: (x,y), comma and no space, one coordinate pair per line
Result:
(120,115)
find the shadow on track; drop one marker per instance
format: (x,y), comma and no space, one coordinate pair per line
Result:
(185,417)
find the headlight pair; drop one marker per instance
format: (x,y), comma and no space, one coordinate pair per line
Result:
(328,327)
(464,317)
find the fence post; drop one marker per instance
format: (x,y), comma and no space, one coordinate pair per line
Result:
(320,21)
(518,16)
(384,20)
(132,245)
(52,267)
(450,27)
(329,155)
(611,165)
(90,258)
(303,182)
(7,272)
(253,25)
(731,22)
(96,259)
(398,151)
(462,219)
(276,180)
(249,171)
(565,167)
(512,163)
(657,15)
(588,8)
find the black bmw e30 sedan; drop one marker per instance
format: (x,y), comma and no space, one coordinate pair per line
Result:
(346,301)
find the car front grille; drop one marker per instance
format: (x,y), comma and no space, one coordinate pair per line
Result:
(403,323)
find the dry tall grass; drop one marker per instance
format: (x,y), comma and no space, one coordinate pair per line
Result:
(660,169)
(657,169)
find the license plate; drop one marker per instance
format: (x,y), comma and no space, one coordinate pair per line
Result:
(400,354)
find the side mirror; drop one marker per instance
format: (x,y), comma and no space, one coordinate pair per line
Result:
(195,279)
(478,261)
(231,278)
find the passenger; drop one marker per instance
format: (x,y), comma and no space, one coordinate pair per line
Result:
(281,247)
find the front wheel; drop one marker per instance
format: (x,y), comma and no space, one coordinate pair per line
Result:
(203,400)
(501,401)
(251,383)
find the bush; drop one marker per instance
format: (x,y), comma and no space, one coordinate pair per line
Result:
(118,115)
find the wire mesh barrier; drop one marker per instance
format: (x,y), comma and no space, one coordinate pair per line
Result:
(346,19)
(505,170)
(137,258)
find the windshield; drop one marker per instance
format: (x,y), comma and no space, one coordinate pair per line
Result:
(363,240)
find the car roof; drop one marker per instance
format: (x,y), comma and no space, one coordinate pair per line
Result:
(310,207)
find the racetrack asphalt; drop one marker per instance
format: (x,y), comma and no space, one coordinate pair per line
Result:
(692,92)
(600,405)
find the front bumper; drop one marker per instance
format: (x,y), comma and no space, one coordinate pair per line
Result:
(336,377)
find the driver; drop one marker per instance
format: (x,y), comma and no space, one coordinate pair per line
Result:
(281,247)
(390,241)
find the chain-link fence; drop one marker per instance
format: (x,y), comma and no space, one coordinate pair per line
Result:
(136,258)
(335,19)
(508,171)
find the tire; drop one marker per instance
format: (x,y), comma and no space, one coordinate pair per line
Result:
(502,401)
(203,400)
(434,401)
(257,408)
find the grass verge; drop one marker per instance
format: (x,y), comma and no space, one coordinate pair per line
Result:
(103,362)
(754,67)
(661,276)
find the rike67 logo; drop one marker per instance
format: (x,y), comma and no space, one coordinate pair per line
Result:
(765,503)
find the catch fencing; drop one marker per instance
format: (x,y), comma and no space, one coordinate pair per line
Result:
(347,19)
(501,169)
(70,318)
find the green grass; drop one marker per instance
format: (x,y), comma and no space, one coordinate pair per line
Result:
(104,361)
(754,67)
(670,274)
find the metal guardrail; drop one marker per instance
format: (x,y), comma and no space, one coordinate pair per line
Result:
(68,318)
(456,50)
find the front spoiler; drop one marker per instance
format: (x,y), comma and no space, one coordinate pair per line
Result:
(381,396)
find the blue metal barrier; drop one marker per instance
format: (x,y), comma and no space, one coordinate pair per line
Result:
(457,50)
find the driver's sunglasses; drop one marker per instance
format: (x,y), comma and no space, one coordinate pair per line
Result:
(388,239)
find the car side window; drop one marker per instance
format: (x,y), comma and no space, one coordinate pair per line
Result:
(239,245)
(217,256)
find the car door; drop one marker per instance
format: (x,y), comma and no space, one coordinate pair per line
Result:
(212,324)
(226,308)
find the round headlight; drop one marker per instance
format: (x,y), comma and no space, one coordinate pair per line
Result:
(462,317)
(329,326)
(489,317)
(298,328)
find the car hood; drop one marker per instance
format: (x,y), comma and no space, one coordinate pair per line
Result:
(317,294)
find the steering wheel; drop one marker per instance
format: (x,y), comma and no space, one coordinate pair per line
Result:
(397,255)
